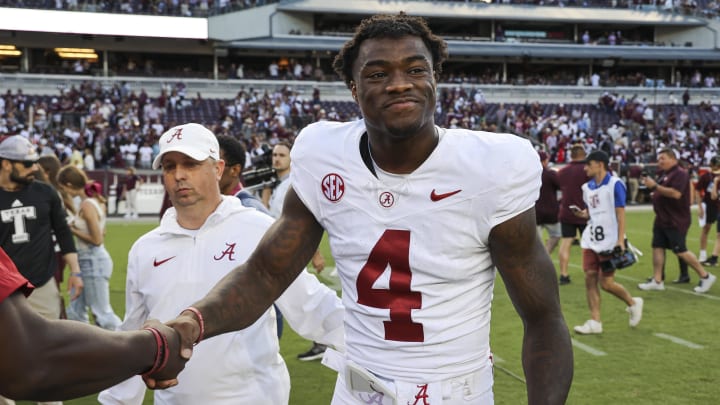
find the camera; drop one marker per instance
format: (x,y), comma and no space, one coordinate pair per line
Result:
(261,174)
(644,173)
(619,259)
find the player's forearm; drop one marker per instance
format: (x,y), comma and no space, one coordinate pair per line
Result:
(547,361)
(236,302)
(243,295)
(90,358)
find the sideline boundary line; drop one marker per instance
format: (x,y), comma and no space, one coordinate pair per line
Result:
(678,340)
(587,348)
(497,360)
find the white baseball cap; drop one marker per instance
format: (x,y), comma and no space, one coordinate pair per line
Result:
(17,147)
(193,140)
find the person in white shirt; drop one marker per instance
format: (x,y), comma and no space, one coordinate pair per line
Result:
(145,152)
(605,197)
(96,265)
(420,220)
(202,238)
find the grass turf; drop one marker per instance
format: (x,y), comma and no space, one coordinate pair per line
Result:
(646,365)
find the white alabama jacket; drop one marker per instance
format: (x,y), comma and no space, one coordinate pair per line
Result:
(170,267)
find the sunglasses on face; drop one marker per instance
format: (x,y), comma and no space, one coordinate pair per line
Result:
(26,163)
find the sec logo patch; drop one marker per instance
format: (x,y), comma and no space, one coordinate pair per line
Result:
(333,187)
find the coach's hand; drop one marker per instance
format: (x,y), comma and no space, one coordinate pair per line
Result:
(167,376)
(188,326)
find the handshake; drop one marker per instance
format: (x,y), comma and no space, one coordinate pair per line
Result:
(174,341)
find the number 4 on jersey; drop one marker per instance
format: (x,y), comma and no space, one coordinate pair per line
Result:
(393,250)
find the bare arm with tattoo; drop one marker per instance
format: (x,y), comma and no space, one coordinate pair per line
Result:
(529,277)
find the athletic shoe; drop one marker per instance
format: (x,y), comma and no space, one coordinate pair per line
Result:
(705,283)
(564,280)
(652,285)
(635,311)
(682,280)
(315,353)
(712,261)
(591,327)
(703,256)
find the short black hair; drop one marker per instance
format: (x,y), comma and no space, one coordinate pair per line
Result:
(234,150)
(598,156)
(389,26)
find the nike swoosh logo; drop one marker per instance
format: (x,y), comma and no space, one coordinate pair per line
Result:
(157,262)
(437,197)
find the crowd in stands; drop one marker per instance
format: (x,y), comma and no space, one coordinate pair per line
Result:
(118,127)
(487,73)
(203,8)
(178,8)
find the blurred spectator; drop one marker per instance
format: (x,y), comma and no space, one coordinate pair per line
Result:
(88,226)
(571,179)
(547,205)
(671,203)
(131,184)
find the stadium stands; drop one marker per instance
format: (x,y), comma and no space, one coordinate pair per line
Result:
(543,84)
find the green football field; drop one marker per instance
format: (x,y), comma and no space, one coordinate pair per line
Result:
(672,357)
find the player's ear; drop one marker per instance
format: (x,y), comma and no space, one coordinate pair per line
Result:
(353,91)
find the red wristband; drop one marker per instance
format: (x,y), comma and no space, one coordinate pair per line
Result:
(161,356)
(201,322)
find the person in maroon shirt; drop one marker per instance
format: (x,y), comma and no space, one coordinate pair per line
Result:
(49,360)
(671,203)
(707,207)
(571,178)
(547,205)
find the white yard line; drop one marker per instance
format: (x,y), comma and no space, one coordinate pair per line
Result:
(510,373)
(678,340)
(589,349)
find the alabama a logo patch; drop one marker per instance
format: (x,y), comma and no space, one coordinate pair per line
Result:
(386,199)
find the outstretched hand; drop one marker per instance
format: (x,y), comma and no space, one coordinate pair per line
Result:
(183,331)
(167,376)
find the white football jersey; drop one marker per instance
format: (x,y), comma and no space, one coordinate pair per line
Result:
(601,232)
(412,250)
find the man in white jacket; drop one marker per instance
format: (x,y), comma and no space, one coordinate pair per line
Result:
(197,243)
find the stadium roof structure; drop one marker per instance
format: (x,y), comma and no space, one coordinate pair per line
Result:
(496,49)
(484,11)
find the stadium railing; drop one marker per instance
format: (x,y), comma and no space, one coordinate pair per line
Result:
(42,84)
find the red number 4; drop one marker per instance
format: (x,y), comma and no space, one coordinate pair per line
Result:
(392,249)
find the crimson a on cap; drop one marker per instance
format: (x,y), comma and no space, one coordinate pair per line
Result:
(193,140)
